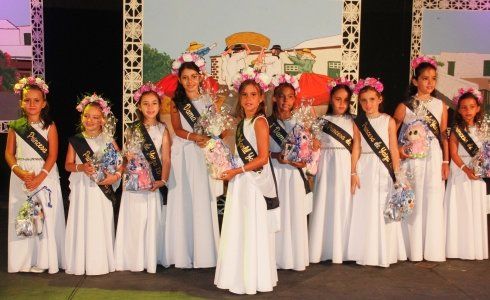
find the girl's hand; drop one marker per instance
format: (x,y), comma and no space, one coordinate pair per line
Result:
(228,175)
(86,168)
(316,144)
(201,140)
(470,173)
(129,155)
(35,182)
(281,160)
(23,174)
(445,171)
(299,165)
(403,153)
(109,179)
(354,183)
(157,184)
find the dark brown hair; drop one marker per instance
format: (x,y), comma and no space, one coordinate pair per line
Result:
(239,109)
(458,119)
(279,92)
(140,114)
(333,91)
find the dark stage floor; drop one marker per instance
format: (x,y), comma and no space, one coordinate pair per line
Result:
(454,279)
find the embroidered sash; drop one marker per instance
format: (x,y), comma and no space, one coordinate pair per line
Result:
(279,135)
(465,140)
(82,148)
(31,136)
(339,134)
(151,154)
(188,110)
(247,153)
(376,143)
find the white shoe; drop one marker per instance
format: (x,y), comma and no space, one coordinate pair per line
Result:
(37,270)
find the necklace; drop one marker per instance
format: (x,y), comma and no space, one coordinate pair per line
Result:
(35,123)
(150,125)
(374,116)
(423,100)
(91,136)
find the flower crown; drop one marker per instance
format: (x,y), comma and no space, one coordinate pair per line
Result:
(147,87)
(189,57)
(340,81)
(369,81)
(250,74)
(94,99)
(423,59)
(286,78)
(463,91)
(20,86)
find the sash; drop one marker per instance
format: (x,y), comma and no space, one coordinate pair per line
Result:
(151,154)
(247,154)
(430,120)
(279,135)
(339,134)
(82,148)
(465,140)
(188,110)
(376,143)
(31,136)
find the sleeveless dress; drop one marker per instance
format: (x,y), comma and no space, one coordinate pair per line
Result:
(292,239)
(372,241)
(465,206)
(424,230)
(45,251)
(246,257)
(89,244)
(140,226)
(191,230)
(329,222)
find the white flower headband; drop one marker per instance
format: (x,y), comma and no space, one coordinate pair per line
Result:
(286,78)
(341,81)
(463,91)
(104,105)
(21,85)
(189,57)
(248,73)
(147,87)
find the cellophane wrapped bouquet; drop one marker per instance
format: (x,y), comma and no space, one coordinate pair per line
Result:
(402,200)
(415,135)
(30,218)
(212,122)
(480,163)
(137,174)
(108,159)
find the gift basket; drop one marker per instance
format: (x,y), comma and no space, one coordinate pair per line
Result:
(137,174)
(30,218)
(402,200)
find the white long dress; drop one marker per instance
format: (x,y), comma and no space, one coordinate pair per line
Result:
(45,251)
(424,230)
(465,205)
(372,241)
(191,230)
(140,227)
(330,219)
(246,257)
(89,244)
(292,239)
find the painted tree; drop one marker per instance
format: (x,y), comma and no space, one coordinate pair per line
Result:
(155,64)
(8,74)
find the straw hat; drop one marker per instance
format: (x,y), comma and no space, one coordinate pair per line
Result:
(194,46)
(306,51)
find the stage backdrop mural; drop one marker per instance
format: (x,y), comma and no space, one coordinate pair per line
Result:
(464,57)
(21,51)
(313,40)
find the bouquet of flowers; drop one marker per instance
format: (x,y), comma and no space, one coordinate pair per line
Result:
(213,122)
(402,200)
(480,163)
(30,218)
(137,175)
(414,135)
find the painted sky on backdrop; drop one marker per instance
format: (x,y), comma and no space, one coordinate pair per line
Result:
(170,25)
(17,12)
(455,31)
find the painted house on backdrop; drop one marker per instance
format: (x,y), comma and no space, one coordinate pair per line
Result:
(327,51)
(16,41)
(464,70)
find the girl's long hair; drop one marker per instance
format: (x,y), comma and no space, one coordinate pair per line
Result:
(141,118)
(44,115)
(333,91)
(239,109)
(458,119)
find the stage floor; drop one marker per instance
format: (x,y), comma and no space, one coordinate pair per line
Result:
(454,279)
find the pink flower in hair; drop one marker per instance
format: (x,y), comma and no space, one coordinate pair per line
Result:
(286,78)
(104,105)
(421,59)
(369,81)
(20,86)
(340,81)
(463,91)
(147,87)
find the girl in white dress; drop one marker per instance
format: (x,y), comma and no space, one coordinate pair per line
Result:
(424,230)
(293,187)
(191,230)
(31,151)
(140,227)
(89,244)
(465,202)
(372,241)
(330,219)
(246,257)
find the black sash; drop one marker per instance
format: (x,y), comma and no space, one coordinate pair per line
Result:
(339,134)
(465,140)
(376,143)
(279,135)
(82,148)
(31,136)
(188,110)
(151,154)
(247,154)
(430,120)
